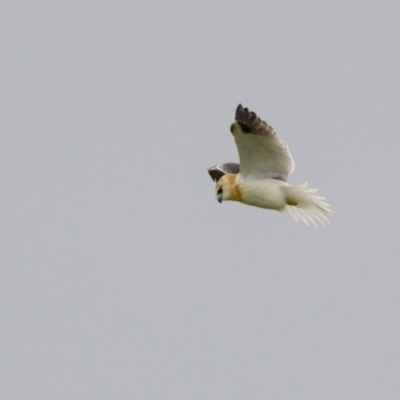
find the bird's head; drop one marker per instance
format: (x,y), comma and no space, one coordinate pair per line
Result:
(228,189)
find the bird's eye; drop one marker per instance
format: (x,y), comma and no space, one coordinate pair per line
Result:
(219,191)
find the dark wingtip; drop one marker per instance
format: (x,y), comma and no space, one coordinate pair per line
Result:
(239,111)
(248,120)
(218,171)
(215,173)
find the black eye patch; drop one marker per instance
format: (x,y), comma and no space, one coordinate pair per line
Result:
(219,191)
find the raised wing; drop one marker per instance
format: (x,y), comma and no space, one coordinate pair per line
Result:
(218,171)
(262,153)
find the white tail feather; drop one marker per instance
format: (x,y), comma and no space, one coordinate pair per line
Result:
(303,205)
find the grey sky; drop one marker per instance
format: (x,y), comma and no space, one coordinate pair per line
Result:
(121,275)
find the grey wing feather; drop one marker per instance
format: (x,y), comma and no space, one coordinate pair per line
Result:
(218,171)
(262,153)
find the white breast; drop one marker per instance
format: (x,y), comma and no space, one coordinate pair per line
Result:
(265,193)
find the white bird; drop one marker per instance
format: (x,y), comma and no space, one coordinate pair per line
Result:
(261,179)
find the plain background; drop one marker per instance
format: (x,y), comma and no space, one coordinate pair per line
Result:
(121,275)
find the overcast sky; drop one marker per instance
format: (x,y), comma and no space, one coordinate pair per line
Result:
(121,275)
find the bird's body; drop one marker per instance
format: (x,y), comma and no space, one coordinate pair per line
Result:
(263,193)
(261,179)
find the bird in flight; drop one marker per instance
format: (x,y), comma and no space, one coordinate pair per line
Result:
(261,179)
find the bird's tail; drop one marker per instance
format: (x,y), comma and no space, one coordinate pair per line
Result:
(303,205)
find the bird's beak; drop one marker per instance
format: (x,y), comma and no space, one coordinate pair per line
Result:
(219,199)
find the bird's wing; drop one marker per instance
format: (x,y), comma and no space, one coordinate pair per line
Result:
(218,171)
(262,153)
